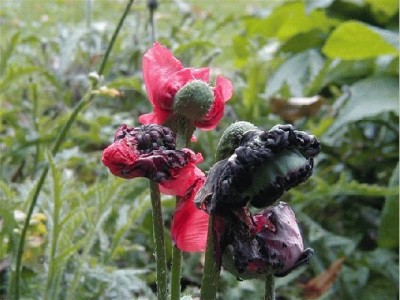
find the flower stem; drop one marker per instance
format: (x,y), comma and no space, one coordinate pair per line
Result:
(158,234)
(176,273)
(15,278)
(184,131)
(269,287)
(211,268)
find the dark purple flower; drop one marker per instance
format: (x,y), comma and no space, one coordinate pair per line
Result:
(268,242)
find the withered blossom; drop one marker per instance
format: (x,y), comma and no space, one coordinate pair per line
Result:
(268,242)
(259,170)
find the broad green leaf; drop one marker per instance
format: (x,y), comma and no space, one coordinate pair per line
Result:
(297,72)
(389,227)
(387,7)
(369,97)
(289,20)
(304,41)
(389,36)
(354,40)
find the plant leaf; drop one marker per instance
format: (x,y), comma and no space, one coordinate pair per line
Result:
(354,40)
(369,97)
(389,228)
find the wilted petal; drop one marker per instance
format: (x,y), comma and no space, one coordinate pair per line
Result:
(148,151)
(181,180)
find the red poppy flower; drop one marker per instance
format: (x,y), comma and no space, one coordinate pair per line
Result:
(164,76)
(189,224)
(149,151)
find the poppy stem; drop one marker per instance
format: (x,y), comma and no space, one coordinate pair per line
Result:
(212,269)
(176,273)
(184,131)
(158,235)
(269,287)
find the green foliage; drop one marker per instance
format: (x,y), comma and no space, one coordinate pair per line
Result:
(389,227)
(354,40)
(96,240)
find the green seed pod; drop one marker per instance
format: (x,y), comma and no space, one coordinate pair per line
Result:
(231,137)
(194,100)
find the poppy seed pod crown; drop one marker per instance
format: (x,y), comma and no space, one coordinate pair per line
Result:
(231,138)
(194,100)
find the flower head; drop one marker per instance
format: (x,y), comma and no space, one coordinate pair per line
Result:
(265,243)
(149,151)
(261,168)
(167,81)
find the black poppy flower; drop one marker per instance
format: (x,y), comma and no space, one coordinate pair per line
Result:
(260,169)
(268,242)
(149,151)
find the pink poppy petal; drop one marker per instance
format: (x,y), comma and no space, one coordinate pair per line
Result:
(201,74)
(224,88)
(158,64)
(189,226)
(222,93)
(159,116)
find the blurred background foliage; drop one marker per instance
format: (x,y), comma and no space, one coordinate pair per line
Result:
(329,67)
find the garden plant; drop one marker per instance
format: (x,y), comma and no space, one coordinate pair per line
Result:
(199,149)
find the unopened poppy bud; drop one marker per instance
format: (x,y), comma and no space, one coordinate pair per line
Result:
(194,100)
(231,137)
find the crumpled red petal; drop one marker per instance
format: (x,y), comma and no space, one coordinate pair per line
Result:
(184,178)
(189,224)
(149,151)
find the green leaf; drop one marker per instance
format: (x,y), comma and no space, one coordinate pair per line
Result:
(297,72)
(304,41)
(386,7)
(348,71)
(14,72)
(389,227)
(6,52)
(289,20)
(369,97)
(354,40)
